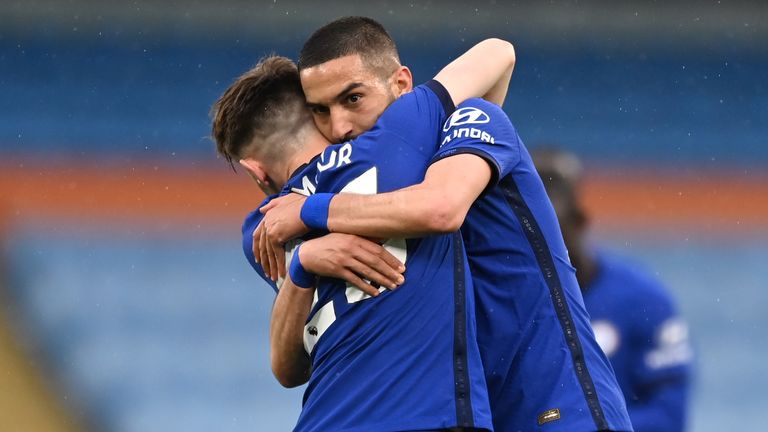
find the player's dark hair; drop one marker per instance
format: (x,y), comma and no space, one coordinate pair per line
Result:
(561,172)
(347,36)
(261,112)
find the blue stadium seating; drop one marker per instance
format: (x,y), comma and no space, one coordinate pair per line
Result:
(134,95)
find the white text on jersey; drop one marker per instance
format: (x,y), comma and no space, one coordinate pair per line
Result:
(468,133)
(307,188)
(344,157)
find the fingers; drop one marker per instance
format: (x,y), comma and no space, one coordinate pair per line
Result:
(379,259)
(280,258)
(273,271)
(255,244)
(390,259)
(369,273)
(268,206)
(343,256)
(359,283)
(264,253)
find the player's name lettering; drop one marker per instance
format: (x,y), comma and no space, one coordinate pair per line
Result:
(307,187)
(335,158)
(468,133)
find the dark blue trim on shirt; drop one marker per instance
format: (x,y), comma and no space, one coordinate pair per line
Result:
(546,264)
(464,416)
(495,168)
(443,95)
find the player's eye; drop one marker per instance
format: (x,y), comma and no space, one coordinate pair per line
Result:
(318,110)
(354,98)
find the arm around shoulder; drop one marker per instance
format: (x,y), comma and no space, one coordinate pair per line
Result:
(453,184)
(439,204)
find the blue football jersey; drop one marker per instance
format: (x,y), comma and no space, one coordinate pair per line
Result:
(407,359)
(543,366)
(639,328)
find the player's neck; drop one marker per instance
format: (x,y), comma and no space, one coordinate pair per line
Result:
(314,144)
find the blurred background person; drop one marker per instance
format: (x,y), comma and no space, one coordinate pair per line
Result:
(634,317)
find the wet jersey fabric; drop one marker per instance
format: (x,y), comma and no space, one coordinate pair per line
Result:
(544,369)
(637,324)
(407,359)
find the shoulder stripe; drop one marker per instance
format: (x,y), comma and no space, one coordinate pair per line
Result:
(464,417)
(443,95)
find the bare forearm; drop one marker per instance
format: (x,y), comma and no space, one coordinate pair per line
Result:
(437,205)
(483,71)
(498,92)
(394,214)
(290,362)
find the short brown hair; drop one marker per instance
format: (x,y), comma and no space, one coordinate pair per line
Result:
(347,36)
(261,112)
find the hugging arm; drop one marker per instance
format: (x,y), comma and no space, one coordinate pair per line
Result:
(410,211)
(338,254)
(290,362)
(483,71)
(439,204)
(345,255)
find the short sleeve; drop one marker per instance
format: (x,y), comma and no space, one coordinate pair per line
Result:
(417,116)
(249,226)
(481,128)
(395,153)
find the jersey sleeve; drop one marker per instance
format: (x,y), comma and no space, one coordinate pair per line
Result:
(249,226)
(395,153)
(481,128)
(416,117)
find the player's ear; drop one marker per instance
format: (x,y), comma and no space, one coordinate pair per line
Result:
(402,81)
(255,170)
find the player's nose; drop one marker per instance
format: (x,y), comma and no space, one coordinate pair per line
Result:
(341,127)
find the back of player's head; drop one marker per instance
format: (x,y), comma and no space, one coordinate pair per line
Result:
(261,114)
(349,36)
(561,173)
